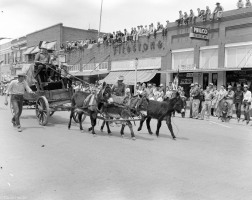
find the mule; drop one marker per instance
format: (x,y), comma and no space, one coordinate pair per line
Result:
(77,102)
(122,112)
(132,105)
(161,111)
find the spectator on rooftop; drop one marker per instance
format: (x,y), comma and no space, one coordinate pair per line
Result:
(200,13)
(159,26)
(240,4)
(217,11)
(180,20)
(248,4)
(186,18)
(191,16)
(165,29)
(207,13)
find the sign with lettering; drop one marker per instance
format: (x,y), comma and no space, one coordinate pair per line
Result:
(199,33)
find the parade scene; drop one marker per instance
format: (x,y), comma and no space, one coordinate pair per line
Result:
(124,110)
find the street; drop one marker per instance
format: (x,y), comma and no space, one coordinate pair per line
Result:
(210,160)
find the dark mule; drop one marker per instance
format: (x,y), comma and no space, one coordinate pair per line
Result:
(122,112)
(132,105)
(77,102)
(162,111)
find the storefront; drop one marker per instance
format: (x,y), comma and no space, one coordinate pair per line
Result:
(91,72)
(147,69)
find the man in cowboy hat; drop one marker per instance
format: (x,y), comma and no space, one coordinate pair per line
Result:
(17,89)
(41,59)
(191,99)
(217,11)
(238,97)
(246,103)
(196,100)
(118,89)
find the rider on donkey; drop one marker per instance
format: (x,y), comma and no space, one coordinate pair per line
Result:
(118,89)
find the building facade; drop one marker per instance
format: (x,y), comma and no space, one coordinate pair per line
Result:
(222,55)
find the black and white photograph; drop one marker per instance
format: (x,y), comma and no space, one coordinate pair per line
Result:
(125,100)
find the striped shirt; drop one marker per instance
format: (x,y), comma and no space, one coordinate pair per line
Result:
(17,87)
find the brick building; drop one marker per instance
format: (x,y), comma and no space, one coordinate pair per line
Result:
(224,58)
(23,49)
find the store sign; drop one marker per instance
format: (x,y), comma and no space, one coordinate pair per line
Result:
(187,67)
(199,33)
(148,63)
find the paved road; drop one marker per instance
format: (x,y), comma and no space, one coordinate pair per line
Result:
(210,160)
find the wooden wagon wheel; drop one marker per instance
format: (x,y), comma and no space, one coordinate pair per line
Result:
(42,110)
(75,117)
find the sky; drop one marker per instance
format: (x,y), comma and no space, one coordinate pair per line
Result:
(21,17)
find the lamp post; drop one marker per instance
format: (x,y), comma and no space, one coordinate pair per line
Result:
(136,63)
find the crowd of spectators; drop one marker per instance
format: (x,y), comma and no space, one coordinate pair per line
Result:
(185,19)
(220,102)
(152,30)
(133,34)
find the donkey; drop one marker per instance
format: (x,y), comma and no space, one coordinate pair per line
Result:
(77,102)
(161,111)
(122,112)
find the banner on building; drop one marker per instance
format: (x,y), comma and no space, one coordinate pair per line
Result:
(199,33)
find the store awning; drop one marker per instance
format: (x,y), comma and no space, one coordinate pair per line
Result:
(28,51)
(129,76)
(198,70)
(89,73)
(36,50)
(51,45)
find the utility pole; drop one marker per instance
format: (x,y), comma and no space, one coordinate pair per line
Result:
(100,19)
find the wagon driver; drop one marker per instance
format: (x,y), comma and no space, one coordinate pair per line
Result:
(17,89)
(118,89)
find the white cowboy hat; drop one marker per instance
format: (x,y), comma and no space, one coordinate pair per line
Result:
(120,78)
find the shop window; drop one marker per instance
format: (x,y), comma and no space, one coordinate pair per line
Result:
(209,59)
(183,60)
(238,57)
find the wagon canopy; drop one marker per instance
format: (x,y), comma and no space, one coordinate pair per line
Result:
(28,69)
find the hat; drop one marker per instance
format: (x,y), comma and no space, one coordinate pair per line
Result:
(196,83)
(127,90)
(149,84)
(21,74)
(238,85)
(217,3)
(211,84)
(229,86)
(245,86)
(192,85)
(161,85)
(120,78)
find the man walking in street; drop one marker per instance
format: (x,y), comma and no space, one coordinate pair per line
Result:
(238,97)
(17,89)
(191,99)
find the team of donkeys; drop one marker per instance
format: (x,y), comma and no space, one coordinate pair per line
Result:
(139,106)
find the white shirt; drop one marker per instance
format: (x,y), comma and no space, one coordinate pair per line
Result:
(17,87)
(247,96)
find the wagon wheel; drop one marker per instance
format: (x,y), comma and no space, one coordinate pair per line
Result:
(42,110)
(75,117)
(51,113)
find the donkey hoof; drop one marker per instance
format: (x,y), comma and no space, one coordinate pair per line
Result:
(174,138)
(139,129)
(101,129)
(90,129)
(94,134)
(109,133)
(151,133)
(133,138)
(122,135)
